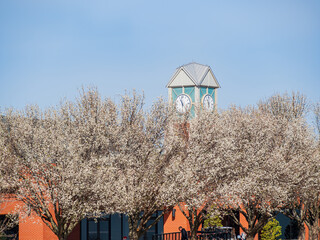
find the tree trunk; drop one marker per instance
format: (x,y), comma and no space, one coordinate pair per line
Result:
(189,215)
(133,224)
(302,233)
(195,219)
(62,234)
(140,223)
(314,231)
(255,219)
(250,237)
(251,234)
(194,230)
(133,235)
(62,237)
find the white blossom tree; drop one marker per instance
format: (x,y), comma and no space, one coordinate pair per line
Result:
(309,190)
(7,189)
(55,155)
(143,161)
(289,106)
(257,151)
(317,117)
(246,160)
(302,204)
(92,157)
(250,161)
(230,161)
(200,169)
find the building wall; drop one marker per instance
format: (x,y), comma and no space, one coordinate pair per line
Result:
(171,224)
(76,233)
(30,228)
(33,228)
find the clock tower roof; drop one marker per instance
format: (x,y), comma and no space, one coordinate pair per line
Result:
(193,74)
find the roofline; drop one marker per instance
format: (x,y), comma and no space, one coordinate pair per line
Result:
(189,75)
(195,86)
(180,68)
(214,76)
(192,63)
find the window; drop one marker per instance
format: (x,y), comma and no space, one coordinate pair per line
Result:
(99,229)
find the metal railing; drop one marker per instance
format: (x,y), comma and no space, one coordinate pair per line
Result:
(220,233)
(168,236)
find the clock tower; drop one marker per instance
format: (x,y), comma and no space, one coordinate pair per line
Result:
(193,85)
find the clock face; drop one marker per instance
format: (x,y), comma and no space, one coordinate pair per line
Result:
(183,103)
(208,103)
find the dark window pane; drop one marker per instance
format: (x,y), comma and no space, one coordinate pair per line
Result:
(92,230)
(104,236)
(104,229)
(148,235)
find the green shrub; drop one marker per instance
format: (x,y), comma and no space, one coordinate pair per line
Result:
(271,231)
(214,221)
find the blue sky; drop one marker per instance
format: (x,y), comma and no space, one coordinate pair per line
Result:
(50,49)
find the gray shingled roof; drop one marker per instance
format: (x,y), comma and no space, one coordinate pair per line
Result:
(196,71)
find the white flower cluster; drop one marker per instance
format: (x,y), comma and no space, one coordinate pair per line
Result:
(93,156)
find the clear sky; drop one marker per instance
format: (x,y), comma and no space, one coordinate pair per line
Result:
(50,49)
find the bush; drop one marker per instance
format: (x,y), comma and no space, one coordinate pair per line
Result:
(214,221)
(271,231)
